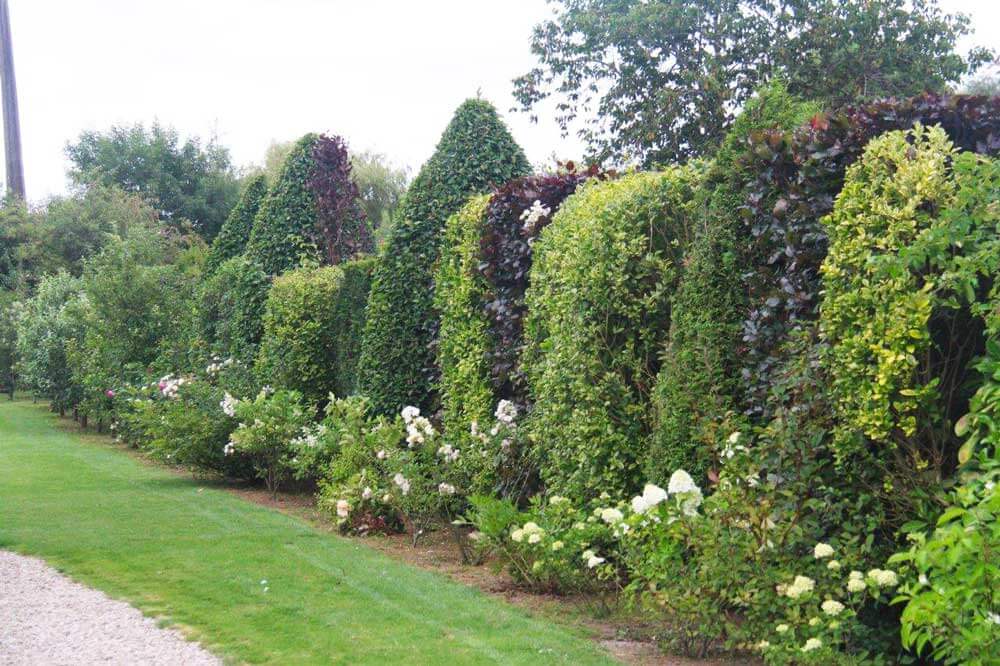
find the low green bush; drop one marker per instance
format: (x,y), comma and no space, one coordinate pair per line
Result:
(603,279)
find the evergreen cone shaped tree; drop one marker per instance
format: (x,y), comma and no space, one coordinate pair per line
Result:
(475,153)
(312,211)
(235,233)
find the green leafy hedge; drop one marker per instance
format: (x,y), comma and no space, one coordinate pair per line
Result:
(603,279)
(312,211)
(475,153)
(463,352)
(914,251)
(349,322)
(311,324)
(235,233)
(230,308)
(699,389)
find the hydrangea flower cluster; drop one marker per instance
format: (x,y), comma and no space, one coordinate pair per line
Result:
(530,532)
(228,405)
(418,428)
(533,215)
(402,482)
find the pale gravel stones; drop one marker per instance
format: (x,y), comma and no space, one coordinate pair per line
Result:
(48,619)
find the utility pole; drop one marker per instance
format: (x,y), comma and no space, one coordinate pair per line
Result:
(11,121)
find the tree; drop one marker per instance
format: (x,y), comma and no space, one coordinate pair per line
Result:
(381,186)
(183,181)
(475,153)
(661,81)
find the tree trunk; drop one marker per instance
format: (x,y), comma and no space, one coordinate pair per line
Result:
(11,121)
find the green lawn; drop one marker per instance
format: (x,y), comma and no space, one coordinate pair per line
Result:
(197,557)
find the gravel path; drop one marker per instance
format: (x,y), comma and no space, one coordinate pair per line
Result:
(47,619)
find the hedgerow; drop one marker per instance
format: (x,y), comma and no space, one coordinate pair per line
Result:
(348,317)
(312,211)
(698,393)
(298,348)
(794,177)
(914,249)
(230,308)
(476,152)
(604,275)
(235,233)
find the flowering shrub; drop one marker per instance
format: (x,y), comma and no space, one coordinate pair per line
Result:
(952,575)
(268,426)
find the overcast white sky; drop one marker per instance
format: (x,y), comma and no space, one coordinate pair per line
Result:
(385,74)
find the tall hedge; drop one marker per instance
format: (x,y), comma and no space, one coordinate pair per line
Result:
(311,323)
(235,233)
(312,211)
(476,152)
(230,308)
(464,348)
(604,276)
(698,393)
(349,320)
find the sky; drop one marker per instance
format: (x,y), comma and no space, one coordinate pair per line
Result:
(385,74)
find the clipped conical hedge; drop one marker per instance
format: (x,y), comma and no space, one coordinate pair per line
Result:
(235,233)
(475,153)
(312,211)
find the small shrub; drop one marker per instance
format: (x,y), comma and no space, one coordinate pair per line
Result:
(268,426)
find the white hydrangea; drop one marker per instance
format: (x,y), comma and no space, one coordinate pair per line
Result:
(832,607)
(856,582)
(812,644)
(681,482)
(883,577)
(343,508)
(534,538)
(506,412)
(402,482)
(800,586)
(781,628)
(822,551)
(409,413)
(557,546)
(592,559)
(833,565)
(556,500)
(446,489)
(611,515)
(651,496)
(228,405)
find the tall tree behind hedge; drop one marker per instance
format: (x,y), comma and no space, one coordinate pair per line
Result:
(183,181)
(311,211)
(476,152)
(698,393)
(235,233)
(659,80)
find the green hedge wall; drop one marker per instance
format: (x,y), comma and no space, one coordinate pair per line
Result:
(230,308)
(475,153)
(604,275)
(298,348)
(235,233)
(465,341)
(698,393)
(349,321)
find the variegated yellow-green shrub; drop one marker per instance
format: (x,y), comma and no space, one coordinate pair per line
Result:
(908,279)
(604,275)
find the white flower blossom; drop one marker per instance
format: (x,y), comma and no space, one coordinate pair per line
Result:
(781,628)
(822,550)
(833,565)
(800,586)
(409,413)
(611,516)
(402,482)
(812,644)
(366,494)
(506,412)
(534,538)
(532,215)
(832,607)
(651,496)
(343,508)
(446,489)
(883,577)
